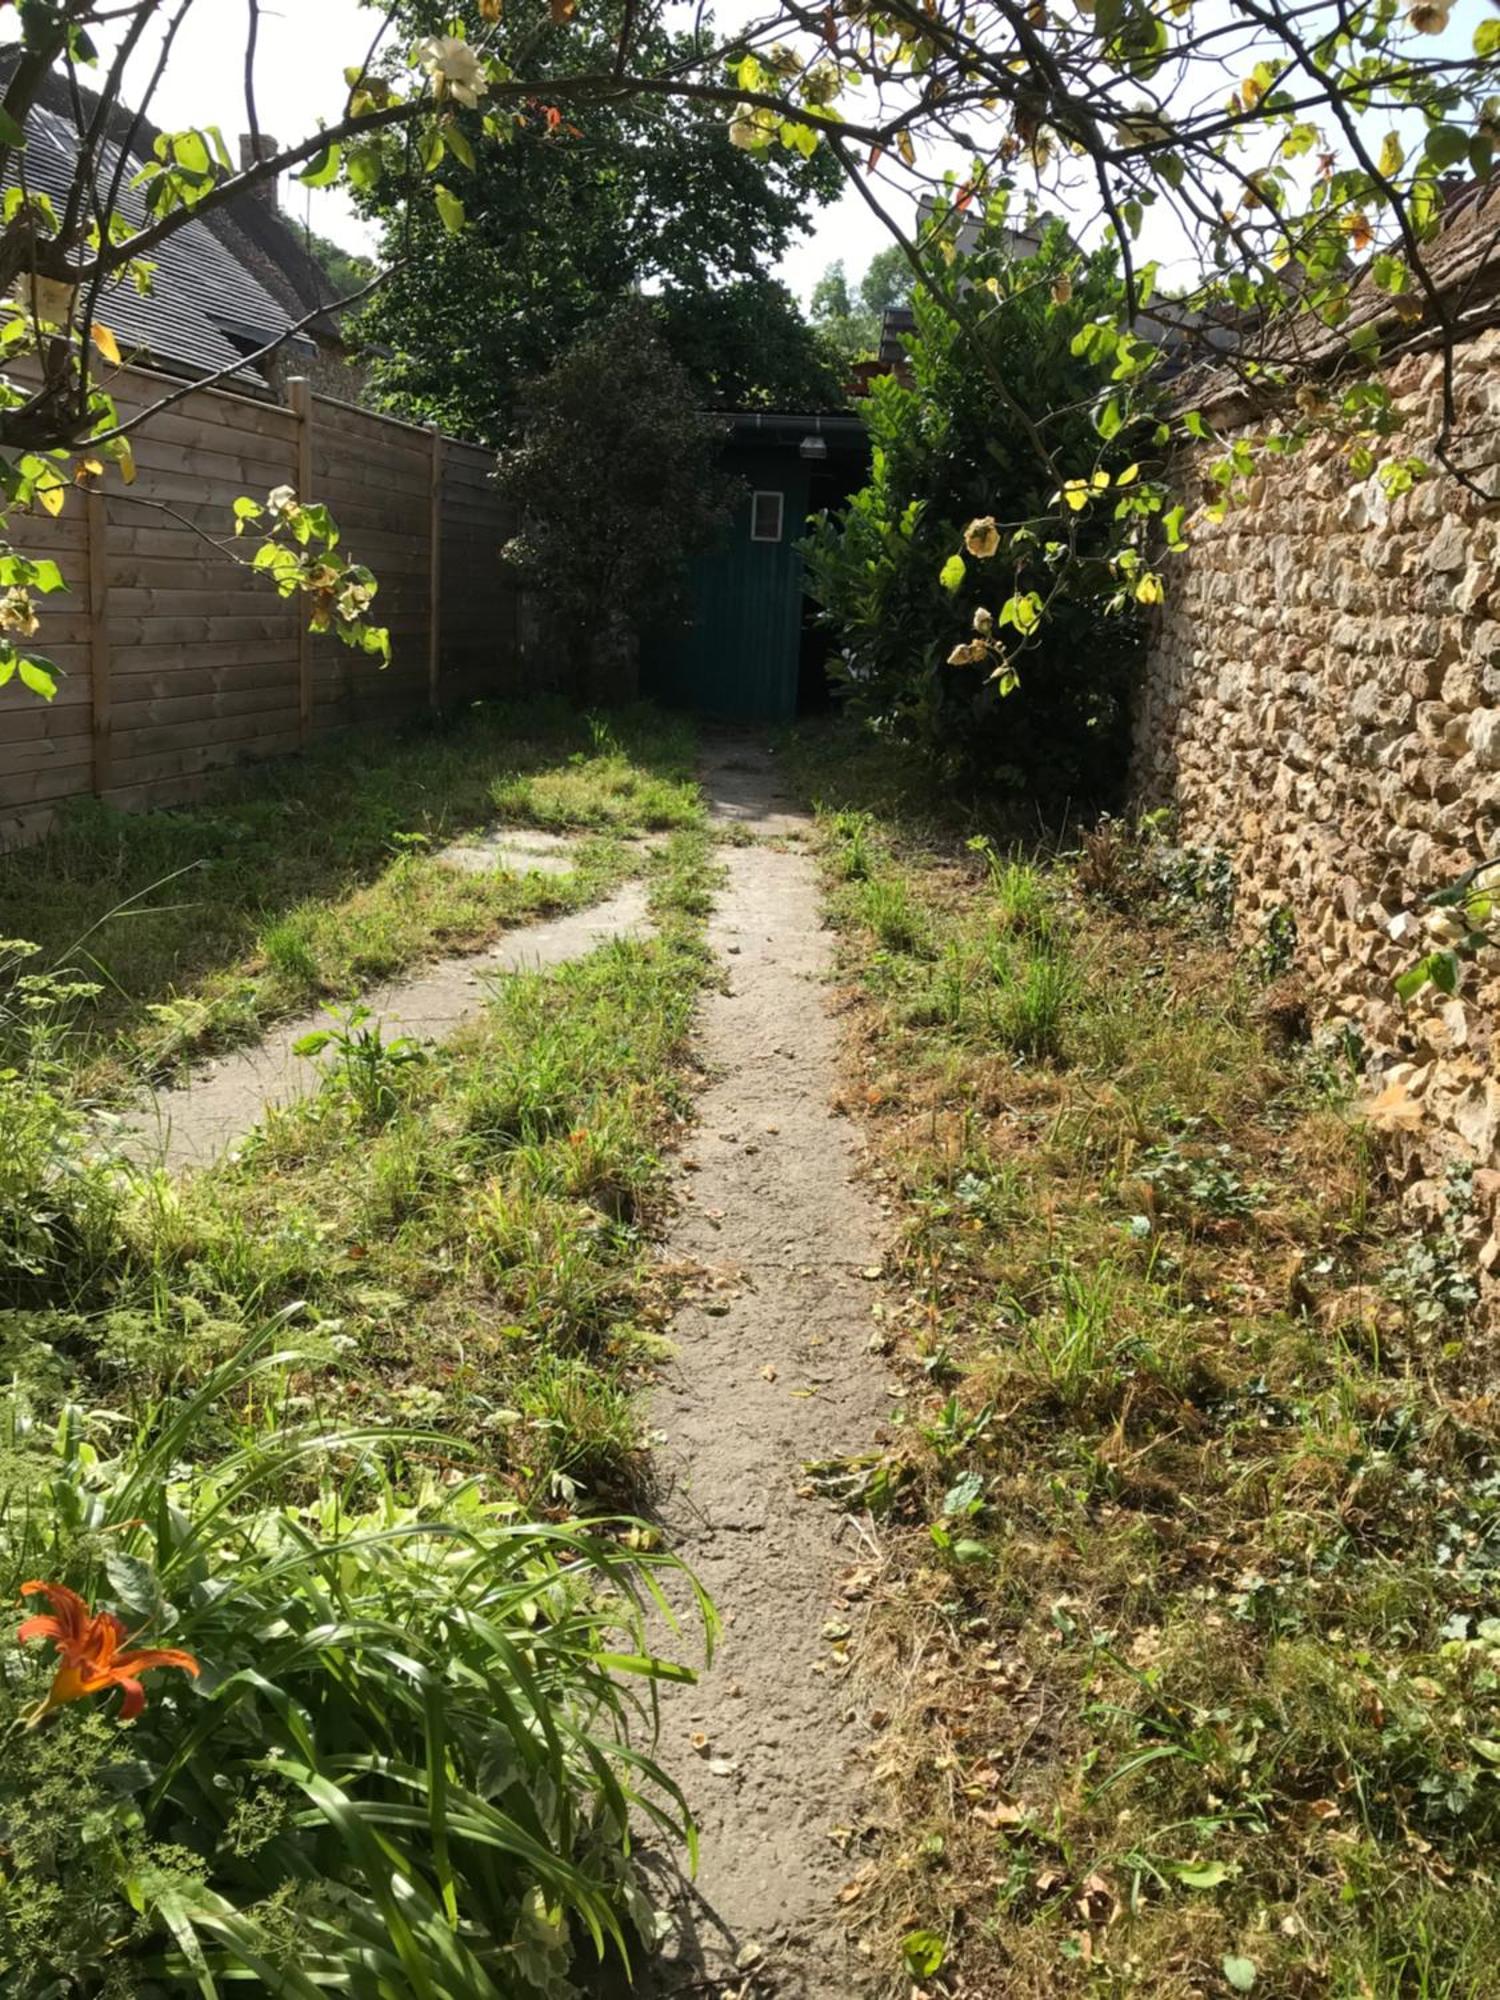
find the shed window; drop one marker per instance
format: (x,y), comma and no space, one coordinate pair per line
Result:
(765,517)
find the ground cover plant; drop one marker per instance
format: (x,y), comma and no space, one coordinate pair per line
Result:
(307,880)
(340,1433)
(1189,1598)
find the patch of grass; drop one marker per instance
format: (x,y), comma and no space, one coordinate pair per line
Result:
(348,1420)
(310,878)
(1193,1521)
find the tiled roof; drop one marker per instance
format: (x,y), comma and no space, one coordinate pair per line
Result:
(1463,263)
(205,310)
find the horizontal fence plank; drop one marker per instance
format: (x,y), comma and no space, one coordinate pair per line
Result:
(189,663)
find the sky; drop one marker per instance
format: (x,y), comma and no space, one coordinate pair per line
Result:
(304,48)
(305,45)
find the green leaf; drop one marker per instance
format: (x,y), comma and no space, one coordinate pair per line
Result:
(923,1953)
(952,573)
(1200,1874)
(36,676)
(450,208)
(11,132)
(323,169)
(1487,39)
(1240,1972)
(136,1586)
(1442,970)
(1485,1747)
(965,1496)
(1446,145)
(190,152)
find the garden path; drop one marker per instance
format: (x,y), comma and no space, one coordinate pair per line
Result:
(199,1120)
(773,1368)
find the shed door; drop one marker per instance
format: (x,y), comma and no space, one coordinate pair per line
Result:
(738,657)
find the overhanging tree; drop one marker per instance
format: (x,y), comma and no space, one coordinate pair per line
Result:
(566,217)
(1290,150)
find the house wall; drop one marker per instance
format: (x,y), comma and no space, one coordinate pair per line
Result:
(174,662)
(1322,702)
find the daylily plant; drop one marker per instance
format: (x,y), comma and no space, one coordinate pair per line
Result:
(93,1649)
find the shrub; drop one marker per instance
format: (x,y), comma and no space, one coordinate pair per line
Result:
(945,451)
(409,1761)
(613,476)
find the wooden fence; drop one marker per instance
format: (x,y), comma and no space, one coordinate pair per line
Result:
(175,663)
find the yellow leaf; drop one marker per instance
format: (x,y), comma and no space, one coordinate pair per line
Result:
(52,496)
(905,147)
(1392,155)
(1149,590)
(1125,478)
(125,459)
(1101,480)
(106,343)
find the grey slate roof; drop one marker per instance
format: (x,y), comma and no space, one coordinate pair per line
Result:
(205,310)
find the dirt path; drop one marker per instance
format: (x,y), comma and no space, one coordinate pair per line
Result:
(773,1369)
(200,1120)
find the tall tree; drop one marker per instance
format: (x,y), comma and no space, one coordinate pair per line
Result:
(566,215)
(849,316)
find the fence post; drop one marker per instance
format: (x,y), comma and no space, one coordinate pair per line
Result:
(299,393)
(96,531)
(435,571)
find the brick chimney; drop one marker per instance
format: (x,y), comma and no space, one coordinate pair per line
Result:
(268,149)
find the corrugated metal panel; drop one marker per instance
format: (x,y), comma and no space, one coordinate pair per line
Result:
(738,656)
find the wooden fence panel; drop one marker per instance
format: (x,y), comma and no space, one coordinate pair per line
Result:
(174,662)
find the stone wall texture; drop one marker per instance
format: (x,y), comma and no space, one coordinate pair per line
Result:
(1322,702)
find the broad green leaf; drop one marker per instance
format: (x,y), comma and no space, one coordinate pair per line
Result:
(923,1953)
(953,572)
(1445,146)
(323,169)
(35,675)
(1199,1874)
(1240,1972)
(450,208)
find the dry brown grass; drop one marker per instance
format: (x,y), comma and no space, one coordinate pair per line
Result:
(1190,1526)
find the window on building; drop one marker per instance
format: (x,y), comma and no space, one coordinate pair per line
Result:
(765,517)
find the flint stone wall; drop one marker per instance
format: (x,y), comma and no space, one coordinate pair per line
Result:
(1322,702)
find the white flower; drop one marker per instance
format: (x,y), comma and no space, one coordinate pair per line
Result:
(748,130)
(46,299)
(454,68)
(18,614)
(282,498)
(1444,926)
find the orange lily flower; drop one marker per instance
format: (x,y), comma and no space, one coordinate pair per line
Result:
(92,1648)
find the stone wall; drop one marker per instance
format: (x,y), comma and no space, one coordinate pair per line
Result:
(1322,701)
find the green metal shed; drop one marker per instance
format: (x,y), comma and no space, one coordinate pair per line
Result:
(744,654)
